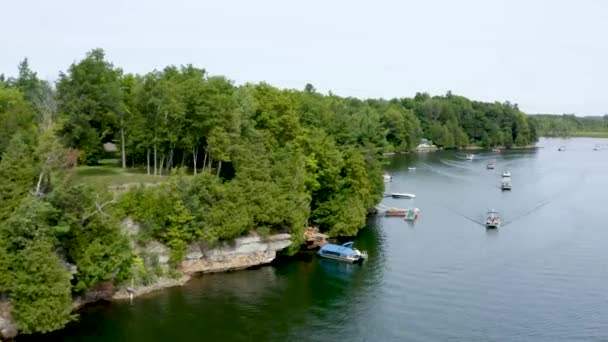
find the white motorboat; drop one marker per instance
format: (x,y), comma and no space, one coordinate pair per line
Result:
(387,178)
(506,174)
(492,220)
(402,195)
(470,156)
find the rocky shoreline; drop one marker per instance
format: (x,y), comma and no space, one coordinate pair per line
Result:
(238,254)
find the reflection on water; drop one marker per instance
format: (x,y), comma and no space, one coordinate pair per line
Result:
(444,277)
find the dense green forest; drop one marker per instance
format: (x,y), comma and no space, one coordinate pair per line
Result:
(233,158)
(567,125)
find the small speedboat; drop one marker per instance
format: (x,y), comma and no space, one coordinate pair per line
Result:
(470,156)
(344,252)
(411,168)
(596,148)
(401,195)
(490,166)
(562,148)
(492,220)
(387,178)
(506,174)
(506,184)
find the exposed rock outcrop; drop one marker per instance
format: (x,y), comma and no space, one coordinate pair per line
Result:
(8,329)
(240,253)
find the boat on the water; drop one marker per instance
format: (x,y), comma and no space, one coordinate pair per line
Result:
(401,195)
(506,174)
(470,156)
(412,214)
(490,166)
(562,148)
(387,178)
(596,148)
(496,150)
(506,184)
(492,219)
(395,212)
(411,168)
(344,252)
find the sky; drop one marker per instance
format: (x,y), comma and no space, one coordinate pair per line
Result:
(546,56)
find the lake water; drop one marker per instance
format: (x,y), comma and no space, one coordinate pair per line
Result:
(541,277)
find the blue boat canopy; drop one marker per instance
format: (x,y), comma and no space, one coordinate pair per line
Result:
(345,249)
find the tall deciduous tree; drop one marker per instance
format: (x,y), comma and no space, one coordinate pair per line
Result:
(89,102)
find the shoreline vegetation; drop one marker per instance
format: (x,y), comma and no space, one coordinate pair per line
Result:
(196,162)
(568,125)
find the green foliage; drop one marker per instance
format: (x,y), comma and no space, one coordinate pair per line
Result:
(90,100)
(16,116)
(567,125)
(36,279)
(18,174)
(40,289)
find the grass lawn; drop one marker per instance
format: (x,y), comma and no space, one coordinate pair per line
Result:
(107,175)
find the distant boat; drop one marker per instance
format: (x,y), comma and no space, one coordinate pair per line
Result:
(344,252)
(412,214)
(492,219)
(396,212)
(506,184)
(411,168)
(562,148)
(490,166)
(470,156)
(496,150)
(596,148)
(506,174)
(387,178)
(401,195)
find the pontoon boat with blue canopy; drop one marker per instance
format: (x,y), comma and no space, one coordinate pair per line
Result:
(345,252)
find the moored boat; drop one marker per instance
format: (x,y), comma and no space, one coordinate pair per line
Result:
(496,150)
(387,178)
(402,195)
(470,156)
(492,220)
(344,252)
(395,212)
(411,168)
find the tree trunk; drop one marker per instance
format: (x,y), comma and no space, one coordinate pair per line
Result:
(205,161)
(183,158)
(219,167)
(160,169)
(194,157)
(210,163)
(170,161)
(122,147)
(39,185)
(148,161)
(155,159)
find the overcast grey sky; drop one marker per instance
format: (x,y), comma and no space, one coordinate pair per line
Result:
(547,56)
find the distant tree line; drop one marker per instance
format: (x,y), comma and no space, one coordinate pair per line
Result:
(566,125)
(248,158)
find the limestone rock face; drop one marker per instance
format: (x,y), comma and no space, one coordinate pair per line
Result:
(8,330)
(241,253)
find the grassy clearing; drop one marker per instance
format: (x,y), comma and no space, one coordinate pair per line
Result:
(107,175)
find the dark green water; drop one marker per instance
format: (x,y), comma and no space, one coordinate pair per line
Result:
(542,277)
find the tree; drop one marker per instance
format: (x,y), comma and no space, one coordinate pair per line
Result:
(18,173)
(89,104)
(16,115)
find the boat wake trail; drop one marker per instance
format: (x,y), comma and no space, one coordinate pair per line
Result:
(548,200)
(459,213)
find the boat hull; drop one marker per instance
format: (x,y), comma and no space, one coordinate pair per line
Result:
(342,259)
